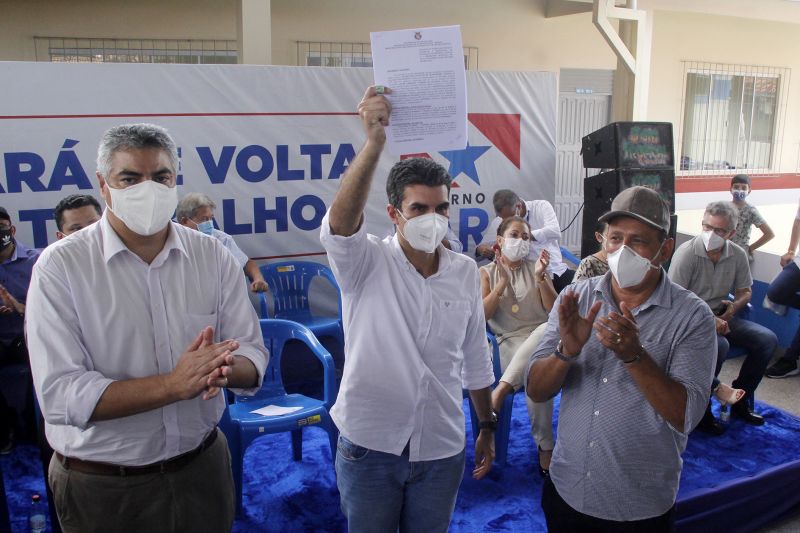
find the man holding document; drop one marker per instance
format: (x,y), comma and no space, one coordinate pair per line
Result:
(414,327)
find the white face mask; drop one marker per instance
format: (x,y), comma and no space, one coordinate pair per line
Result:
(425,232)
(712,241)
(628,267)
(146,208)
(515,249)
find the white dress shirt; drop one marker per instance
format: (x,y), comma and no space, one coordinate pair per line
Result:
(97,313)
(411,343)
(545,230)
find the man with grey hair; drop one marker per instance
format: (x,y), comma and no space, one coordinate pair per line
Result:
(196,211)
(545,232)
(128,356)
(711,266)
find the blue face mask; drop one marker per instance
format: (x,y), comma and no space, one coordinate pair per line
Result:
(206,227)
(739,196)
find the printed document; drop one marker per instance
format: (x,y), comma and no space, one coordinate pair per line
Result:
(424,68)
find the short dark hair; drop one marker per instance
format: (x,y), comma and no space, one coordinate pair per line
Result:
(504,198)
(508,221)
(414,171)
(741,178)
(74,201)
(4,214)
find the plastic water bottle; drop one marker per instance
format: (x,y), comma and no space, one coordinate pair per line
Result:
(725,414)
(37,519)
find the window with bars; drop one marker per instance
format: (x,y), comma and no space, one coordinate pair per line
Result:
(95,50)
(733,117)
(323,54)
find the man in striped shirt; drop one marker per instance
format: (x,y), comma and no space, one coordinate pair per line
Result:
(633,355)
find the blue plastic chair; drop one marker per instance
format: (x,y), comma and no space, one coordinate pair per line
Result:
(501,434)
(569,256)
(242,426)
(289,283)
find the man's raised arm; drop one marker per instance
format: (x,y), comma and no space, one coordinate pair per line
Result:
(348,207)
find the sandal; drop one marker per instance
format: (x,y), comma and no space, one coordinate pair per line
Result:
(727,395)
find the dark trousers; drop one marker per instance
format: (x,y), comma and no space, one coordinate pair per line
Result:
(563,518)
(760,344)
(197,497)
(14,365)
(783,291)
(559,282)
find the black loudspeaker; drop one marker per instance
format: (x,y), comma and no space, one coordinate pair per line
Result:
(600,190)
(629,145)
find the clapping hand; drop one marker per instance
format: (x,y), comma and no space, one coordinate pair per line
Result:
(10,304)
(574,328)
(542,264)
(503,268)
(619,332)
(200,367)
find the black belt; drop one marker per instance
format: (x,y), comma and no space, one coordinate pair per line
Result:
(106,469)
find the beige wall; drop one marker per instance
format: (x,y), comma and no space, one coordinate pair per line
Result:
(22,20)
(510,34)
(729,40)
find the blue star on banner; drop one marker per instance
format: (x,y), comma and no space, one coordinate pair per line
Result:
(464,161)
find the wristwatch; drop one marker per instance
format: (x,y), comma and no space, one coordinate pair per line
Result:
(560,355)
(490,424)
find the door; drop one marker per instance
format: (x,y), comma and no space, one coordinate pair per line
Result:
(584,105)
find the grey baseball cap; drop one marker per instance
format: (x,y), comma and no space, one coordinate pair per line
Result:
(643,204)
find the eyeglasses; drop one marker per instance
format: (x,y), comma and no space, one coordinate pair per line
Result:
(722,232)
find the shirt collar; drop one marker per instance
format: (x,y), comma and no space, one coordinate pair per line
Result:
(661,296)
(112,244)
(400,256)
(21,252)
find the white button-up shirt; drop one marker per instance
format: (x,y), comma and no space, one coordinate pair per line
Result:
(411,342)
(97,313)
(545,230)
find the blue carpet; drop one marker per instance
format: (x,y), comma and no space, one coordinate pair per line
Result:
(721,476)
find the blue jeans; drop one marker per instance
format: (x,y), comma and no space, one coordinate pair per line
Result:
(760,344)
(783,291)
(381,492)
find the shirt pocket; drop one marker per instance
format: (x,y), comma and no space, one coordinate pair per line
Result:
(193,324)
(453,317)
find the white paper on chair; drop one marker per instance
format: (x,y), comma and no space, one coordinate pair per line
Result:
(275,410)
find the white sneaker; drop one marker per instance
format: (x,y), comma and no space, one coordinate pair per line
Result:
(778,309)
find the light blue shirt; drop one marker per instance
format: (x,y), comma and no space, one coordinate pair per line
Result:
(616,458)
